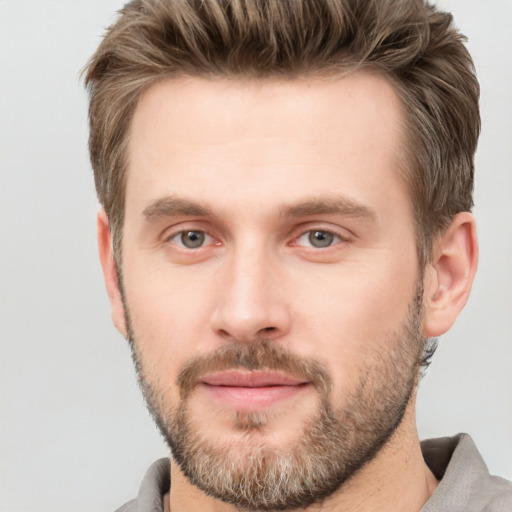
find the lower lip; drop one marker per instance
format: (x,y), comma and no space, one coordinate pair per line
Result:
(247,399)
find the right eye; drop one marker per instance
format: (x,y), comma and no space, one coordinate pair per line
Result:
(191,239)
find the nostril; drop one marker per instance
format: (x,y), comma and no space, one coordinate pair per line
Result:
(269,332)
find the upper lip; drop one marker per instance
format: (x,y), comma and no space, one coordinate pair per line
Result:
(250,379)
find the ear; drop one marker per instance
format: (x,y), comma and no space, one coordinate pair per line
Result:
(109,273)
(448,279)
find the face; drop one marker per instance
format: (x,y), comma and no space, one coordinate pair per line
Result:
(271,285)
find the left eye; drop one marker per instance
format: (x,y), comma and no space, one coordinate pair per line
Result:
(318,238)
(191,239)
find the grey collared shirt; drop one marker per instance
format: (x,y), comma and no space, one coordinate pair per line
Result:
(465,483)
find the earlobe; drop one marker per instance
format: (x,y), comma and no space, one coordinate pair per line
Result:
(449,277)
(110,274)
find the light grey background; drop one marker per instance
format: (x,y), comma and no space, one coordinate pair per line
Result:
(74,435)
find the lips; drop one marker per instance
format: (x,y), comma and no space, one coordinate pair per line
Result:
(250,379)
(248,391)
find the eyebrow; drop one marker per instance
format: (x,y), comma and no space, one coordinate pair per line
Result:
(328,205)
(169,206)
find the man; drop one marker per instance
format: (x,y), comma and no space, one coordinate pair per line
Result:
(286,189)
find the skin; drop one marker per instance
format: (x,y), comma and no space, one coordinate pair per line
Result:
(247,154)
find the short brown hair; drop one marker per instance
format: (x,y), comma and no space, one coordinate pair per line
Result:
(409,41)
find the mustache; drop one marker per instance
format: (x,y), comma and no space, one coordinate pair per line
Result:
(256,355)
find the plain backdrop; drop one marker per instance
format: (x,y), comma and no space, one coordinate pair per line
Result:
(74,434)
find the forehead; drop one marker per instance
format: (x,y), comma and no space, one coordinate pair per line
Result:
(259,136)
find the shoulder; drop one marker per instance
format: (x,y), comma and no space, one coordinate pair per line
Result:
(154,485)
(128,507)
(497,495)
(465,482)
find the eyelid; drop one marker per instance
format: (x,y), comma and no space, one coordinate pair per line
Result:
(177,229)
(207,241)
(307,243)
(343,234)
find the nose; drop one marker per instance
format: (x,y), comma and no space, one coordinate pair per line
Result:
(251,302)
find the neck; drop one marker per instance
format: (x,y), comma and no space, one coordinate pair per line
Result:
(396,480)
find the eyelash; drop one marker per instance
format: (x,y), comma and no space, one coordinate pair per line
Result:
(331,237)
(335,238)
(181,233)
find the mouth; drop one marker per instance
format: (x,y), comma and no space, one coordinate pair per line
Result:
(249,391)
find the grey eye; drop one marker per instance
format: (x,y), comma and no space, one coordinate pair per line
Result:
(321,239)
(192,239)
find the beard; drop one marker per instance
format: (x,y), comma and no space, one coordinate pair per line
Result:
(336,441)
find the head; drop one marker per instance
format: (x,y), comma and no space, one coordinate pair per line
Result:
(412,44)
(286,188)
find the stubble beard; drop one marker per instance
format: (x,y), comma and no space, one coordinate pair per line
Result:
(336,442)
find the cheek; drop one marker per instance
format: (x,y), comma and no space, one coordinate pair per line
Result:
(352,315)
(168,319)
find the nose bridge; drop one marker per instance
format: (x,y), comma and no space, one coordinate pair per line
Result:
(250,304)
